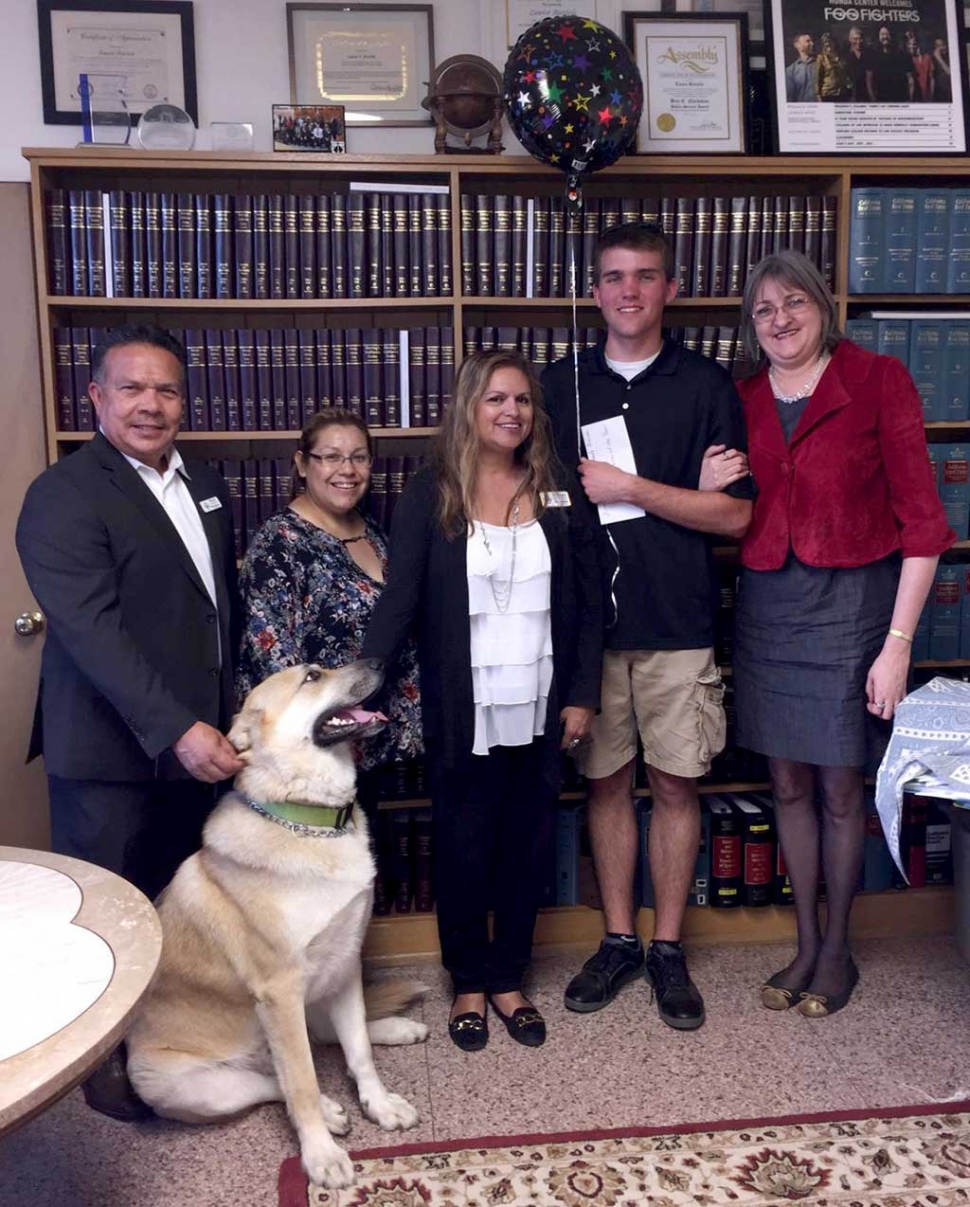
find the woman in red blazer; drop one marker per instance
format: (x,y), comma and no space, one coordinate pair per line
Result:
(836,566)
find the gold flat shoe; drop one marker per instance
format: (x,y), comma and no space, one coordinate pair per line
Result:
(820,1005)
(775,995)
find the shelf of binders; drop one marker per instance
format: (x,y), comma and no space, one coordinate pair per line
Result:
(60,301)
(913,913)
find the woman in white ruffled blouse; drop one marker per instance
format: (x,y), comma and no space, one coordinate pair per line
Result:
(493,563)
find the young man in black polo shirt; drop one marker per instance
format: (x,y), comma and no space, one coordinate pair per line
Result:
(659,675)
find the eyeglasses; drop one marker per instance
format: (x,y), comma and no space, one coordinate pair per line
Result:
(336,460)
(795,305)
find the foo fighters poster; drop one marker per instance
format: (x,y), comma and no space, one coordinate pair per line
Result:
(885,77)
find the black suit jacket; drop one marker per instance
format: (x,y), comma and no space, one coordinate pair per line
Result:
(132,654)
(427,587)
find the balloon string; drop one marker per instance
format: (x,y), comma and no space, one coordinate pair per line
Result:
(579,427)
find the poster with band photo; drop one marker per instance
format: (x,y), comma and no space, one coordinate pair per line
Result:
(886,77)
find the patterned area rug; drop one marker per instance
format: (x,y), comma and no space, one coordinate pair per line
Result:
(901,1157)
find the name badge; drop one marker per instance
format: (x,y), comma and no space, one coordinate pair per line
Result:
(556,498)
(212,504)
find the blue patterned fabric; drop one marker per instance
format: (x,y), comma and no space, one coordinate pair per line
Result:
(931,737)
(305,599)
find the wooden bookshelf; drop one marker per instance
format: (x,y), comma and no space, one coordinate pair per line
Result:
(915,912)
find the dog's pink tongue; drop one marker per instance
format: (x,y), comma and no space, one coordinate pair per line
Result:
(362,716)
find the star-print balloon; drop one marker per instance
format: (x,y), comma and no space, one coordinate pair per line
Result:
(574,94)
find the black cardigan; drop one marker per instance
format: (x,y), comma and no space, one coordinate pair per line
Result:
(427,589)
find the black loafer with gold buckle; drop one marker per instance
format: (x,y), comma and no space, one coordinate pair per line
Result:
(468,1031)
(526,1025)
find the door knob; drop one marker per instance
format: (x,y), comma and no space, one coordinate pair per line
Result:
(29,623)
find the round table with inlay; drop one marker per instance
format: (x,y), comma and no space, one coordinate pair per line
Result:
(78,948)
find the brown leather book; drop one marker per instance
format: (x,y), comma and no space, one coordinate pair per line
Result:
(720,236)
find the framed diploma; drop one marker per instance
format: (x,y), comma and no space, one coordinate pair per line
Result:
(521,15)
(882,80)
(374,59)
(138,51)
(695,86)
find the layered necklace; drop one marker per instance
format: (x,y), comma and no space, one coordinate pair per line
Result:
(502,592)
(806,387)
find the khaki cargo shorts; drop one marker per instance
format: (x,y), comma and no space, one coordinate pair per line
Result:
(673,697)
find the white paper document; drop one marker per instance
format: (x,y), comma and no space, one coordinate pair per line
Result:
(609,441)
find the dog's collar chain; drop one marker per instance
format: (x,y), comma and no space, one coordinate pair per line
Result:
(318,821)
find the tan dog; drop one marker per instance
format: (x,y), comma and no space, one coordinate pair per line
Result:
(263,930)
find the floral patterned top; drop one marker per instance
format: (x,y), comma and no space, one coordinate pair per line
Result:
(305,599)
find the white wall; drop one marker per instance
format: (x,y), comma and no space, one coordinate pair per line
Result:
(242,70)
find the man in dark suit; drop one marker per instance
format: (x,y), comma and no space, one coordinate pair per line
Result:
(130,555)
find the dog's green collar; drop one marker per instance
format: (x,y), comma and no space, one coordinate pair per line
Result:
(302,816)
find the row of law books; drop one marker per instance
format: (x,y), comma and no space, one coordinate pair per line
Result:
(545,345)
(740,861)
(261,486)
(518,246)
(145,244)
(943,632)
(404,881)
(275,379)
(905,240)
(935,348)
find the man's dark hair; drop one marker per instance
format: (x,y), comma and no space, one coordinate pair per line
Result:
(635,236)
(134,333)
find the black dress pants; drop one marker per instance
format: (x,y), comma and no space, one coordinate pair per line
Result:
(492,835)
(140,830)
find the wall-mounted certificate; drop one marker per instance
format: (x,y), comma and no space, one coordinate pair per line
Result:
(523,14)
(138,51)
(376,60)
(694,69)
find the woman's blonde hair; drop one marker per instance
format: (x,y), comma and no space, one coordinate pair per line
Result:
(456,450)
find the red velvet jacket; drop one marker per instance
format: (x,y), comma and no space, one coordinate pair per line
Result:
(856,482)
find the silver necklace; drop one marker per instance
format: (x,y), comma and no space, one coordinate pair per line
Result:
(805,388)
(502,592)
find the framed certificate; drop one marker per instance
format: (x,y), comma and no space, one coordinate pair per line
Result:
(521,15)
(695,88)
(140,51)
(374,59)
(874,81)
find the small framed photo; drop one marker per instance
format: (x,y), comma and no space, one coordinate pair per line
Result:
(317,128)
(695,81)
(377,60)
(141,52)
(850,81)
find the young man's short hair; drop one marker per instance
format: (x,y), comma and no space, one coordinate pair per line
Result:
(635,236)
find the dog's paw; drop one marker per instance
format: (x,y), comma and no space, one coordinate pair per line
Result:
(391,1112)
(397,1031)
(327,1165)
(334,1116)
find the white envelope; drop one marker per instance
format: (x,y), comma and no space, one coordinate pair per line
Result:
(609,441)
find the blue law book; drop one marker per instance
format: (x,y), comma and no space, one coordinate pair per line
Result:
(955,488)
(945,614)
(921,634)
(956,369)
(877,868)
(964,611)
(701,884)
(900,259)
(958,265)
(926,366)
(863,332)
(567,856)
(892,338)
(867,241)
(932,240)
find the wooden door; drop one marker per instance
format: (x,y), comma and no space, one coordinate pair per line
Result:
(24,819)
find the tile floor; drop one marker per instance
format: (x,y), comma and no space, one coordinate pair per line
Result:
(904,1040)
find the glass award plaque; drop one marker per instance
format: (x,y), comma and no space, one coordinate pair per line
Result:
(231,136)
(105,119)
(166,128)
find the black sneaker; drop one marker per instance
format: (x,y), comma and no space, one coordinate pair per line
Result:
(603,976)
(678,999)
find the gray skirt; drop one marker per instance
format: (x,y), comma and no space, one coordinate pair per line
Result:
(805,640)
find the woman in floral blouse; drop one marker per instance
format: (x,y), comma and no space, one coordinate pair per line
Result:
(311,578)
